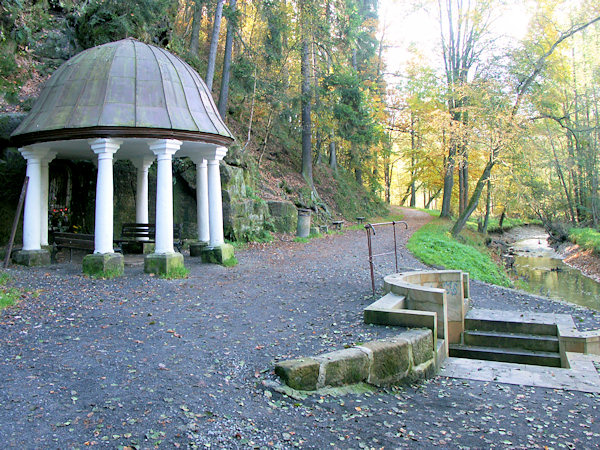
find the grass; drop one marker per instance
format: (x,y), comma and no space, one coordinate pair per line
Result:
(108,274)
(175,273)
(588,238)
(8,296)
(433,245)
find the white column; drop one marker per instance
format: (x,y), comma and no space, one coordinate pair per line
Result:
(31,216)
(215,203)
(141,193)
(103,230)
(45,181)
(202,198)
(164,149)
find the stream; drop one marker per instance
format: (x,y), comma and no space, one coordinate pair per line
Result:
(542,272)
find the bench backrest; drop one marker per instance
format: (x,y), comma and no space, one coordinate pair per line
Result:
(138,230)
(74,240)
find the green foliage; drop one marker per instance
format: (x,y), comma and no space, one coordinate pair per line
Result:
(8,296)
(434,245)
(587,238)
(352,200)
(105,21)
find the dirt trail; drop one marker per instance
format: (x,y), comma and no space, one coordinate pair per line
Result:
(142,362)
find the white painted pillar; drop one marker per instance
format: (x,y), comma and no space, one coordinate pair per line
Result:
(164,149)
(215,203)
(103,230)
(45,182)
(31,216)
(141,193)
(202,198)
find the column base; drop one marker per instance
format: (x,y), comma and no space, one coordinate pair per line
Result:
(196,248)
(222,254)
(163,263)
(103,265)
(137,248)
(32,257)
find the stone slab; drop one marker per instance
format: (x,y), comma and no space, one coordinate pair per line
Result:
(301,373)
(341,367)
(103,263)
(221,254)
(162,263)
(522,374)
(32,258)
(391,361)
(421,342)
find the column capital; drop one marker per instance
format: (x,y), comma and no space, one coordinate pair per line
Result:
(35,153)
(198,159)
(164,147)
(47,159)
(105,145)
(142,162)
(213,154)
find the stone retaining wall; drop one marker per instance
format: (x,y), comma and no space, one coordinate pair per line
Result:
(406,357)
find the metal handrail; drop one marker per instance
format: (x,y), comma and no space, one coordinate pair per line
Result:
(370,228)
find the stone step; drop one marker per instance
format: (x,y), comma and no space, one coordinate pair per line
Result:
(512,355)
(511,322)
(543,343)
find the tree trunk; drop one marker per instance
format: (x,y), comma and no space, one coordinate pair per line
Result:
(224,94)
(488,207)
(432,198)
(306,124)
(448,182)
(196,23)
(474,201)
(214,42)
(332,154)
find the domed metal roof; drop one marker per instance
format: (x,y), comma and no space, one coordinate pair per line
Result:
(124,89)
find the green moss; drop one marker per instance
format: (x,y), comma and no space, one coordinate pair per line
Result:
(231,262)
(434,245)
(175,273)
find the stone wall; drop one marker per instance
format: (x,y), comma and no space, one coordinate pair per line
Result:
(404,358)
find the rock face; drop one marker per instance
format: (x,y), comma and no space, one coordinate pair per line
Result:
(284,215)
(245,216)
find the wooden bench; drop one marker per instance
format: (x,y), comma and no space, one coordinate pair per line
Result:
(337,224)
(136,233)
(72,241)
(360,219)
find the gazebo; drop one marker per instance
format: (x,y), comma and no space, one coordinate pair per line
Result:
(125,100)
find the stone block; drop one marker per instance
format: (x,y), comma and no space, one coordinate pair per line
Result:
(163,263)
(391,361)
(103,264)
(32,258)
(348,366)
(314,231)
(284,214)
(222,254)
(421,343)
(301,373)
(196,248)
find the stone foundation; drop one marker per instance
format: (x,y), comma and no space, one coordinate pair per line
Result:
(32,257)
(103,264)
(163,264)
(223,254)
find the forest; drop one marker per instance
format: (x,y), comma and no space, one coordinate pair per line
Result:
(488,127)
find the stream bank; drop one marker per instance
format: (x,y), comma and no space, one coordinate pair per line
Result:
(566,272)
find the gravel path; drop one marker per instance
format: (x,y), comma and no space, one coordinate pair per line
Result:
(144,362)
